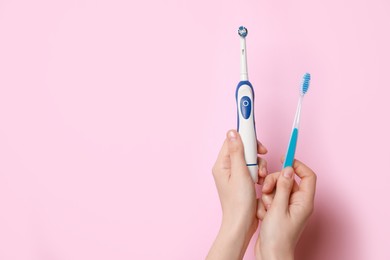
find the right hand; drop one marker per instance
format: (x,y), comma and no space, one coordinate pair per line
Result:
(284,209)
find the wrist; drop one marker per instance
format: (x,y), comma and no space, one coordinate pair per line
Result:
(275,254)
(231,232)
(229,244)
(236,236)
(240,227)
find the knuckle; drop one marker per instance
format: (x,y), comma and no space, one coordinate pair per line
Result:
(306,208)
(264,199)
(315,176)
(268,178)
(236,148)
(267,201)
(214,170)
(283,182)
(310,209)
(260,213)
(263,162)
(284,185)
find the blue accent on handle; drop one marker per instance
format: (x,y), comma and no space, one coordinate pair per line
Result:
(289,160)
(251,164)
(246,106)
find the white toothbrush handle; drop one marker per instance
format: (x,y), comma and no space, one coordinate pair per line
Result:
(246,125)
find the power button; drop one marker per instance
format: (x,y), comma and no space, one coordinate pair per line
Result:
(246,107)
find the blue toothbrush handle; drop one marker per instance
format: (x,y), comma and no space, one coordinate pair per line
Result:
(289,160)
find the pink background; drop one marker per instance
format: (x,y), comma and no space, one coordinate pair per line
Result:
(112,114)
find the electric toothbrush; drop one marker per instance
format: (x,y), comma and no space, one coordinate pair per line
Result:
(245,111)
(290,154)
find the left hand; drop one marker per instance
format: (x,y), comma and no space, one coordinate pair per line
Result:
(237,193)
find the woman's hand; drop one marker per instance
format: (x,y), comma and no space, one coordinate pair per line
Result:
(284,209)
(238,198)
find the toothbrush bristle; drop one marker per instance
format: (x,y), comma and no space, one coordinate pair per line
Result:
(242,31)
(305,83)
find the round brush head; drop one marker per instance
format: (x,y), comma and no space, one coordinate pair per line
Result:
(242,31)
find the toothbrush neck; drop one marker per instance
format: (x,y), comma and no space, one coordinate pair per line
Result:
(298,113)
(244,77)
(244,65)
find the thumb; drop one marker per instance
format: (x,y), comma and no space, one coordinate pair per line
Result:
(283,189)
(236,152)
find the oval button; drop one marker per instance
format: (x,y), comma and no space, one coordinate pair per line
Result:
(246,107)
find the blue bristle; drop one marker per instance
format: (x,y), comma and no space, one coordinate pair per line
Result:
(242,31)
(305,83)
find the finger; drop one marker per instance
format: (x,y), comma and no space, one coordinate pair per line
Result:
(262,167)
(262,172)
(236,153)
(308,178)
(295,186)
(267,199)
(270,182)
(223,159)
(222,164)
(260,210)
(260,180)
(283,189)
(261,149)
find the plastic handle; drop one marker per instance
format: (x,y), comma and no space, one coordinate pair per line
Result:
(289,160)
(246,125)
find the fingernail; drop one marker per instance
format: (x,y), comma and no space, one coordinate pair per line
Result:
(264,170)
(288,172)
(265,185)
(232,135)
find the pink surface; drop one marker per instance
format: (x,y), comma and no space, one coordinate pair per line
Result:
(112,114)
